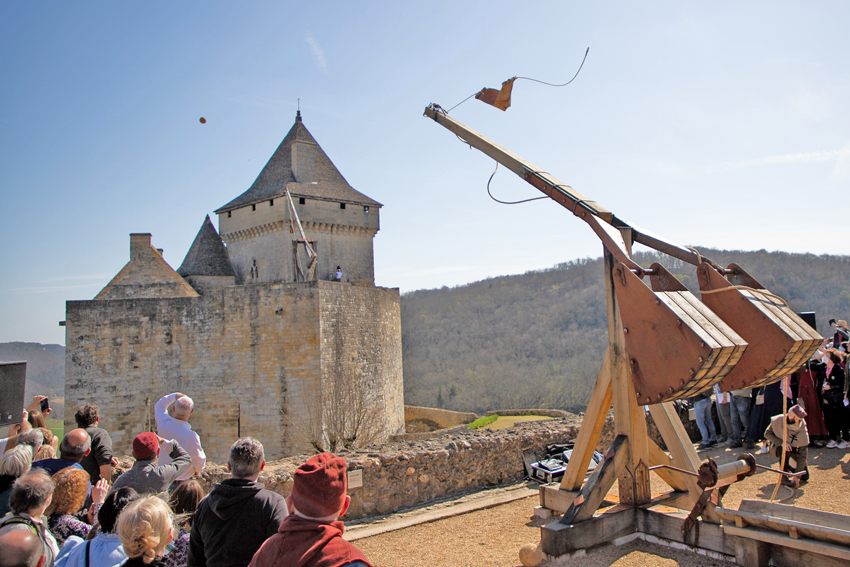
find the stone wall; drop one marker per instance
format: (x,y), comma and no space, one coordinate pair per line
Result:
(403,474)
(250,356)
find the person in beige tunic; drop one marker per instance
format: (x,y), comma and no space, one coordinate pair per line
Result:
(796,443)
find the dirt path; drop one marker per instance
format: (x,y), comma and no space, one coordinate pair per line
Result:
(492,537)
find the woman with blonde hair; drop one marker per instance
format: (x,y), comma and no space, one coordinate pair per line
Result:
(48,446)
(145,529)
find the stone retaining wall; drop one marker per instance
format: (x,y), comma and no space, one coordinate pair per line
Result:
(414,471)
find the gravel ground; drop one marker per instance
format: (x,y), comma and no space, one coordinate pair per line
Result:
(493,537)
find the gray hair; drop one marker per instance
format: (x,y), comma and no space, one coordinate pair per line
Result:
(16,461)
(183,406)
(65,447)
(31,491)
(31,437)
(246,457)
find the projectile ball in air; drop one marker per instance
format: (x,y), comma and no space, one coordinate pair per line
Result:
(530,555)
(203,120)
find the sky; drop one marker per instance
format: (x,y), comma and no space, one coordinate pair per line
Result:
(721,124)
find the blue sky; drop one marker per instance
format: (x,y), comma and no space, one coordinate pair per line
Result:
(718,124)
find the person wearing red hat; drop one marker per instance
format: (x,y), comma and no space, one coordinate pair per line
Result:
(796,441)
(146,476)
(311,536)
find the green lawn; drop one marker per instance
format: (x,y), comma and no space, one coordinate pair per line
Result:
(56,426)
(506,421)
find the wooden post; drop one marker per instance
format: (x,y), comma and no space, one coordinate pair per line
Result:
(629,418)
(591,429)
(599,483)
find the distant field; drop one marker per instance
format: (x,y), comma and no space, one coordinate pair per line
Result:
(57,426)
(506,421)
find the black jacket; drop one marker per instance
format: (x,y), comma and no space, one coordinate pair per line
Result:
(232,522)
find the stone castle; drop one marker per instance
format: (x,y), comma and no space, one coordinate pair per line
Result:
(254,325)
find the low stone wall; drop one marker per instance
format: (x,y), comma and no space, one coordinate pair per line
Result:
(440,417)
(414,471)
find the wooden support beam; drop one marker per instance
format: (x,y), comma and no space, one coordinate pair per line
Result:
(629,418)
(657,456)
(805,545)
(558,539)
(682,451)
(599,483)
(591,429)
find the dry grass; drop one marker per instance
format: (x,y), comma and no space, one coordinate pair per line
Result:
(493,537)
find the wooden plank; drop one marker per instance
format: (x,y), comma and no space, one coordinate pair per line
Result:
(552,497)
(789,557)
(681,450)
(599,483)
(558,539)
(804,515)
(668,525)
(555,499)
(629,418)
(805,545)
(750,552)
(591,429)
(657,456)
(791,527)
(674,499)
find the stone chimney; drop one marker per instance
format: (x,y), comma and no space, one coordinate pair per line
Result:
(140,245)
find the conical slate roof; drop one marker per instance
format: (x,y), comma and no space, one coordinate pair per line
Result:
(277,176)
(207,255)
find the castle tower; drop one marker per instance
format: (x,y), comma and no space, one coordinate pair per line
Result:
(263,350)
(339,222)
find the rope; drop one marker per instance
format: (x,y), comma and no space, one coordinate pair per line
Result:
(528,79)
(507,202)
(747,288)
(565,84)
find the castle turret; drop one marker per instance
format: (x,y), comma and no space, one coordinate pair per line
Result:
(206,265)
(339,223)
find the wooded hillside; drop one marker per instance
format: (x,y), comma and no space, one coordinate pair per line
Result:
(536,340)
(45,366)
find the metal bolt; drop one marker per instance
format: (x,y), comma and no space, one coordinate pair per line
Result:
(702,345)
(625,330)
(658,302)
(648,400)
(692,371)
(638,395)
(669,390)
(632,361)
(659,396)
(701,359)
(681,382)
(678,322)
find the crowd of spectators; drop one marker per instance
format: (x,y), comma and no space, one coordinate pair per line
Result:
(65,512)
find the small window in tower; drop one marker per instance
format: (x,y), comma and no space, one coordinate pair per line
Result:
(271,202)
(302,200)
(366,210)
(254,207)
(342,205)
(228,214)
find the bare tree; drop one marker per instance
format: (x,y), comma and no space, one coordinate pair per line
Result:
(347,415)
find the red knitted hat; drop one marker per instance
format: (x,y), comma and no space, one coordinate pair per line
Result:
(320,485)
(145,445)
